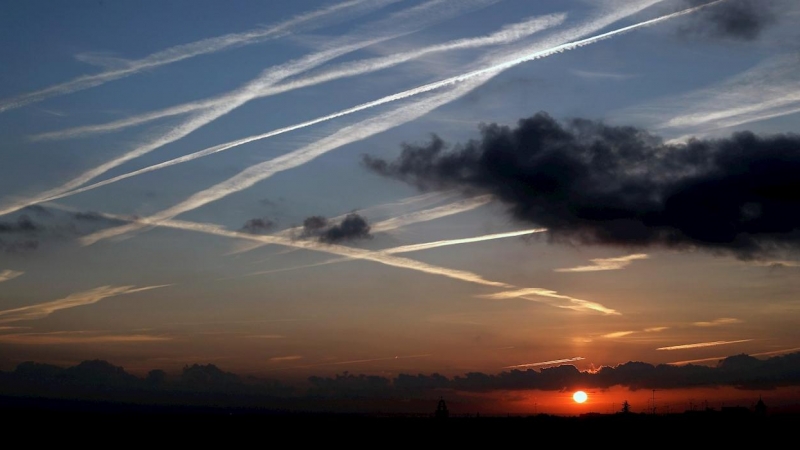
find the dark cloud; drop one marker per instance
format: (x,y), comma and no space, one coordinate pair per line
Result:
(736,19)
(258,226)
(352,226)
(23,234)
(208,384)
(592,183)
(314,225)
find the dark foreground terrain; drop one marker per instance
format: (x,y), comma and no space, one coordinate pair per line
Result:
(56,420)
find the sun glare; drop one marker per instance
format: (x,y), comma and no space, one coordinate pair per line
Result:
(580,397)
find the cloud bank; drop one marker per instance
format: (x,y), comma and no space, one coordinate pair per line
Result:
(592,183)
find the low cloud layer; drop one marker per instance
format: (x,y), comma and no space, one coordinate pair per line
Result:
(736,19)
(592,183)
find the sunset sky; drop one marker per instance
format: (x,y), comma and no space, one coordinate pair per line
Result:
(165,168)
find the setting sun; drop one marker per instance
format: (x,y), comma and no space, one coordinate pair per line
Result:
(580,396)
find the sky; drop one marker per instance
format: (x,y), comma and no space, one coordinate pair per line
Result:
(385,187)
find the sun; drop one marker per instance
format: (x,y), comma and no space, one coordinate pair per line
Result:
(580,397)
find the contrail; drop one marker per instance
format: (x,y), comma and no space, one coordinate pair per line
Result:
(185,51)
(446,243)
(262,171)
(506,35)
(410,202)
(601,264)
(78,299)
(412,248)
(543,295)
(546,363)
(703,345)
(484,74)
(7,275)
(431,214)
(412,20)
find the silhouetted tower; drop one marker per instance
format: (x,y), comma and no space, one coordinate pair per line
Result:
(441,410)
(760,408)
(626,407)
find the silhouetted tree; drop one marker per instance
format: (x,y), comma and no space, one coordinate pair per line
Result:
(626,407)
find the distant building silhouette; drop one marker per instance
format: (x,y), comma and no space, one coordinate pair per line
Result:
(760,408)
(441,410)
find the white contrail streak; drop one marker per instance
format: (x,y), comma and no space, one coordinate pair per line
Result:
(506,35)
(482,74)
(78,299)
(546,363)
(703,345)
(601,264)
(412,248)
(542,295)
(447,243)
(185,51)
(411,20)
(7,275)
(262,171)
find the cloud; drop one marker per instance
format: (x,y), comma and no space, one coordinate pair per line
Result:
(8,275)
(467,81)
(540,295)
(506,35)
(703,345)
(591,183)
(545,363)
(601,264)
(351,227)
(618,334)
(78,337)
(601,75)
(25,233)
(285,358)
(84,298)
(718,322)
(737,19)
(655,329)
(177,53)
(258,226)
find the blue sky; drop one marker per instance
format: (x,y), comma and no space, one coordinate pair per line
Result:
(86,83)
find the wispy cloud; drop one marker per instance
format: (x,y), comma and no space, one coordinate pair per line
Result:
(600,264)
(655,329)
(602,75)
(539,295)
(411,248)
(703,345)
(78,337)
(481,75)
(181,52)
(767,90)
(463,84)
(545,363)
(553,298)
(74,300)
(718,322)
(396,25)
(446,243)
(618,334)
(285,358)
(350,69)
(8,275)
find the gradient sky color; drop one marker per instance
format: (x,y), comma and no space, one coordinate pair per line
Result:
(165,267)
